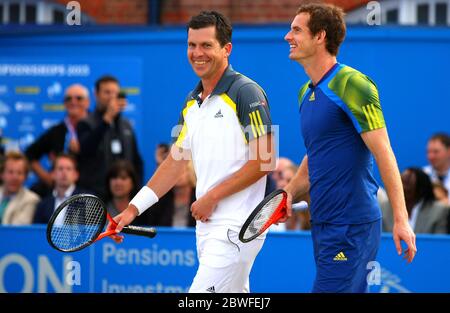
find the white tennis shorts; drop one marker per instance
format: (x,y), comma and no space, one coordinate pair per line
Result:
(224,262)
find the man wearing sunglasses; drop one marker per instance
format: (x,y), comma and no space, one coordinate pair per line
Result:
(62,137)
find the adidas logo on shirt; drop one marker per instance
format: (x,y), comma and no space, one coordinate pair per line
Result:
(218,114)
(340,257)
(211,289)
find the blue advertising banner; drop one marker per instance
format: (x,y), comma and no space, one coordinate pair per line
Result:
(168,263)
(32,91)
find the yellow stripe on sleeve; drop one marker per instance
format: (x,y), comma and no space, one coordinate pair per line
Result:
(368,117)
(252,123)
(256,123)
(260,122)
(375,116)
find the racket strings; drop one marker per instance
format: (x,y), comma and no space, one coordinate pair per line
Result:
(77,223)
(256,226)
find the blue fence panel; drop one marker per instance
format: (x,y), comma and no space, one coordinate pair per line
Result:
(168,263)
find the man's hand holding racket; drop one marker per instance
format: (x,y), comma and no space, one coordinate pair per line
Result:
(123,219)
(79,222)
(144,199)
(126,217)
(288,208)
(271,210)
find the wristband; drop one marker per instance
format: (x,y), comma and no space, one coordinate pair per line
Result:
(144,199)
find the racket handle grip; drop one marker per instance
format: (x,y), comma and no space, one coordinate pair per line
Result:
(300,206)
(140,231)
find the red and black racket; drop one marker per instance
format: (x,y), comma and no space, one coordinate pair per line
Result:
(268,212)
(79,221)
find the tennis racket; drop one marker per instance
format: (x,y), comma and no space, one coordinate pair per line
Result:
(79,222)
(268,212)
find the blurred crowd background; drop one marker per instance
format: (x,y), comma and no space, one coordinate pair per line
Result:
(92,144)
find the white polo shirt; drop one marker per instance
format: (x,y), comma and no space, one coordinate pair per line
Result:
(217,132)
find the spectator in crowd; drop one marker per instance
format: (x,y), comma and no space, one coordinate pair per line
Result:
(105,136)
(184,191)
(285,175)
(285,170)
(162,211)
(441,193)
(271,185)
(17,203)
(2,153)
(281,177)
(64,175)
(161,152)
(426,215)
(273,178)
(281,164)
(300,220)
(438,155)
(123,184)
(59,138)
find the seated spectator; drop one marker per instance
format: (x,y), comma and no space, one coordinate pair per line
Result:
(64,175)
(161,213)
(17,203)
(122,185)
(161,152)
(271,185)
(441,193)
(184,191)
(2,153)
(426,215)
(61,138)
(272,181)
(282,163)
(438,155)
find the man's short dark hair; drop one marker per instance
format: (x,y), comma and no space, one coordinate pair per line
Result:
(16,156)
(64,155)
(205,19)
(105,79)
(444,138)
(328,18)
